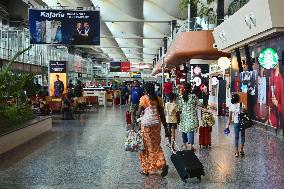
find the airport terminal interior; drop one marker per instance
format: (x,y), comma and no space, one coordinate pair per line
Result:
(129,94)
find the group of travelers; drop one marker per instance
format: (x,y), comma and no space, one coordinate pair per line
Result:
(178,111)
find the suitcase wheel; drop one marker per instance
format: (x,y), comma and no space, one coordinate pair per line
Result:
(199,178)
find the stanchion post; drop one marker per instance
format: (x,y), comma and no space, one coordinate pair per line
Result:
(163,76)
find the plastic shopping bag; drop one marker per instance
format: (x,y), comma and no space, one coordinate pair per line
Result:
(133,141)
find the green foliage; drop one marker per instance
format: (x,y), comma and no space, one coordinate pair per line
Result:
(236,5)
(205,10)
(13,103)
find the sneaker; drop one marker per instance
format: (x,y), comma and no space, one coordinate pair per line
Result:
(145,174)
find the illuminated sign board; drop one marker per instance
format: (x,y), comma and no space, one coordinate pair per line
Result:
(268,58)
(135,74)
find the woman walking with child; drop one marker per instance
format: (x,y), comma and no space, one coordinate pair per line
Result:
(188,117)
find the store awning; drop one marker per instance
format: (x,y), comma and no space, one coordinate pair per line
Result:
(191,45)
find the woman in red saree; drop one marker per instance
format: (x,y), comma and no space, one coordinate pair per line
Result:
(152,159)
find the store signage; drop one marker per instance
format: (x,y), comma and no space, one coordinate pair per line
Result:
(125,66)
(69,27)
(115,67)
(57,66)
(268,58)
(197,70)
(135,74)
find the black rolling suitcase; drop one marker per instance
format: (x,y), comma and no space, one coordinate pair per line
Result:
(187,165)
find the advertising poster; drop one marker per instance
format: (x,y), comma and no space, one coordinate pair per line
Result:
(57,78)
(69,27)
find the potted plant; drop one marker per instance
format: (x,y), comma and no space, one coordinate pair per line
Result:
(208,17)
(14,108)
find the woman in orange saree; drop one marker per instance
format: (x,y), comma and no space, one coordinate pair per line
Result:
(152,159)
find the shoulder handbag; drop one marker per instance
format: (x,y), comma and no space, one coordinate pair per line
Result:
(150,117)
(244,121)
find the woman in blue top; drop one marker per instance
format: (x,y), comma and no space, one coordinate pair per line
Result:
(188,103)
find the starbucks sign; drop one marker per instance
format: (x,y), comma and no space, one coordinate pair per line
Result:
(268,58)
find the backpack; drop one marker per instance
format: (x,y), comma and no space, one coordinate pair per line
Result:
(244,121)
(150,117)
(208,119)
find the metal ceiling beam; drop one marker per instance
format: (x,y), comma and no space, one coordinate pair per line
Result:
(110,47)
(114,37)
(139,21)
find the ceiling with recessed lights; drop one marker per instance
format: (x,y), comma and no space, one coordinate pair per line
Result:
(130,29)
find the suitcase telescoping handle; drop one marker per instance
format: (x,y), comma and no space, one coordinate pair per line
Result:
(170,146)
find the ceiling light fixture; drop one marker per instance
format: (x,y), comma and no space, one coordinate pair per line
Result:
(224,63)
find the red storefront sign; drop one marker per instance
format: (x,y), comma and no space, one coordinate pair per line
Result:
(125,66)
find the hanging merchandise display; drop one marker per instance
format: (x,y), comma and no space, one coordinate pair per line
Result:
(214,81)
(268,58)
(197,81)
(197,70)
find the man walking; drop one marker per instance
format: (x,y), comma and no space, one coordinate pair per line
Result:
(135,94)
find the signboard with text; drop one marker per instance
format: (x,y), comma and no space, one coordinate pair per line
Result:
(135,74)
(125,66)
(58,66)
(115,67)
(70,27)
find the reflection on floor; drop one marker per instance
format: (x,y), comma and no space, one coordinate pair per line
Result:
(88,153)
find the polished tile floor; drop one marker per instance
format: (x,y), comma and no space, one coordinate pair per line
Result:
(88,153)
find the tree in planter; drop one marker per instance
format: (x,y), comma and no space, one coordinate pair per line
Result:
(14,108)
(205,10)
(236,5)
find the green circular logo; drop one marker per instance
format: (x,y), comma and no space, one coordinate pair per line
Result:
(268,58)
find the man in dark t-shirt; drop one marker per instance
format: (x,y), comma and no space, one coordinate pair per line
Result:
(135,94)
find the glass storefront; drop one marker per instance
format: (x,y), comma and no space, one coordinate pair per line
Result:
(264,85)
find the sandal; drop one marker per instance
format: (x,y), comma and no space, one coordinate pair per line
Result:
(165,171)
(145,174)
(242,153)
(237,154)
